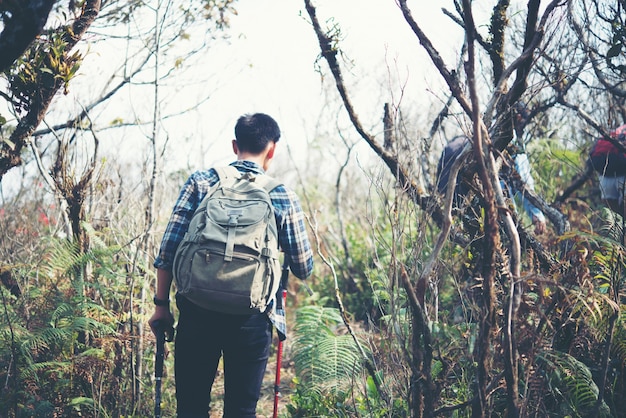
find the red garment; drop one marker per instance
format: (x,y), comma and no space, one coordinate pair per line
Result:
(604,147)
(606,158)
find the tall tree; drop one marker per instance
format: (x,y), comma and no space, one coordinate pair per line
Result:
(516,46)
(68,154)
(34,80)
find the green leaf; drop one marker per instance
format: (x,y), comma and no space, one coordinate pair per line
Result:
(81,401)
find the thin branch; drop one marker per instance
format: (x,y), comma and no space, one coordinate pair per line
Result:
(527,54)
(420,329)
(448,76)
(443,114)
(577,182)
(582,37)
(76,121)
(338,199)
(330,54)
(45,174)
(446,225)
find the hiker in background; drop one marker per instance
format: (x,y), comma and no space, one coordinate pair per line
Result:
(450,152)
(516,150)
(203,336)
(610,163)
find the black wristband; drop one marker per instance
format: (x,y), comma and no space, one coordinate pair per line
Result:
(161,302)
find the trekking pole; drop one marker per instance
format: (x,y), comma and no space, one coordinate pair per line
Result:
(158,368)
(279,352)
(158,364)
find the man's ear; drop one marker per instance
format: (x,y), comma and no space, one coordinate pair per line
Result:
(235,147)
(270,151)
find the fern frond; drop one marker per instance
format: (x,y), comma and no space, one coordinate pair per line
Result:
(13,339)
(91,326)
(96,311)
(94,237)
(64,256)
(571,381)
(323,360)
(612,225)
(45,338)
(36,369)
(311,317)
(82,402)
(95,353)
(63,310)
(618,347)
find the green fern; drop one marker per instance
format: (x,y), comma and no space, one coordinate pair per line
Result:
(324,360)
(43,339)
(95,239)
(63,258)
(619,339)
(82,404)
(612,226)
(50,347)
(609,266)
(44,368)
(571,383)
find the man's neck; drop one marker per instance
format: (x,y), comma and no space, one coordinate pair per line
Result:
(259,159)
(253,158)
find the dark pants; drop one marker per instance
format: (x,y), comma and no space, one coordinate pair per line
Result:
(202,337)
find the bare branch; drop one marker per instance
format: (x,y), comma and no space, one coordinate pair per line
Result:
(524,59)
(449,76)
(614,88)
(403,178)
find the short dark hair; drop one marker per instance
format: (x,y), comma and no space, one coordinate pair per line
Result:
(254,131)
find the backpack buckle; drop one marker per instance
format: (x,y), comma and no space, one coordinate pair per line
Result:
(233,216)
(249,176)
(267,252)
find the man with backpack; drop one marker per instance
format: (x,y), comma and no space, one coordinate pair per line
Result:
(217,318)
(609,161)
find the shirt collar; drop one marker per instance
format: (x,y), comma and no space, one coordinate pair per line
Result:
(248,166)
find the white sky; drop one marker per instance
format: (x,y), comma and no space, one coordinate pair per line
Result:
(276,49)
(268,65)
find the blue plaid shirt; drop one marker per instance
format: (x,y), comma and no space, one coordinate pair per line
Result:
(292,233)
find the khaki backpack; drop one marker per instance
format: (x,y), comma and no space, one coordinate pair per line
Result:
(228,261)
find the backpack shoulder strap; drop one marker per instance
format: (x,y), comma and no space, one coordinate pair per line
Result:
(263,180)
(267,182)
(226,172)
